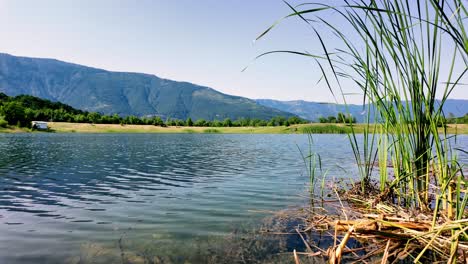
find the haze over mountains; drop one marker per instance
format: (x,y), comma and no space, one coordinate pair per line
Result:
(314,110)
(139,94)
(123,93)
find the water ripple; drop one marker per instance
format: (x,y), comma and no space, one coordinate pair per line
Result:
(73,187)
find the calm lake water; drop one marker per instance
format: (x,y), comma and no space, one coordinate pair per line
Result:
(65,197)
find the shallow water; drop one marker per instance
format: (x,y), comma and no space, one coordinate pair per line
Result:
(62,194)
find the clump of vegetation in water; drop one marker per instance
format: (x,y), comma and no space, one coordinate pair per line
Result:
(211,131)
(394,52)
(325,129)
(190,131)
(267,243)
(313,164)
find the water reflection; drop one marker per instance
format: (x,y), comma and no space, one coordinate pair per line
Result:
(58,191)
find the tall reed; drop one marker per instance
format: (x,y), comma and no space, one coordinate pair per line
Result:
(406,57)
(313,164)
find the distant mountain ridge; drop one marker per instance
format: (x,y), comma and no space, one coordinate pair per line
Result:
(127,93)
(313,110)
(122,93)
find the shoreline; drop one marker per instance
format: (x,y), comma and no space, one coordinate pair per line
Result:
(314,128)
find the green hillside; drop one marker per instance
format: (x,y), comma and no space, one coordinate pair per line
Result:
(122,93)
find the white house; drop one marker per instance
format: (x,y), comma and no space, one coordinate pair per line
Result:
(39,125)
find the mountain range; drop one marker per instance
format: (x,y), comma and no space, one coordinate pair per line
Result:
(128,93)
(122,93)
(313,110)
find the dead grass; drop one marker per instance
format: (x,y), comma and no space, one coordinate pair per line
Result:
(387,233)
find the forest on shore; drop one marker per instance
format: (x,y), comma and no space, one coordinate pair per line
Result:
(22,109)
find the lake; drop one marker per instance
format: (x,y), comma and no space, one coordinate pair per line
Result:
(66,198)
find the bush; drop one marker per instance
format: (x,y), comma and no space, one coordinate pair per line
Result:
(15,114)
(3,122)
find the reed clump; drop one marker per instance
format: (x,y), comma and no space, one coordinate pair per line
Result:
(211,131)
(406,58)
(325,129)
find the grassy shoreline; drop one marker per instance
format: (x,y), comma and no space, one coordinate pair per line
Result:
(315,128)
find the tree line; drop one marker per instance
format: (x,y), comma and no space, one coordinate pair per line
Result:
(339,118)
(22,109)
(457,120)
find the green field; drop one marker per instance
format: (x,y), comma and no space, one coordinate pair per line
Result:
(62,127)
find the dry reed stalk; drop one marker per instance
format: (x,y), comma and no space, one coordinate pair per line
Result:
(304,241)
(385,256)
(395,225)
(370,254)
(336,253)
(296,258)
(344,225)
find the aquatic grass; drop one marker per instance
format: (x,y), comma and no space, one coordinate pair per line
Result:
(211,131)
(325,129)
(187,130)
(313,165)
(399,73)
(366,155)
(394,51)
(312,162)
(383,159)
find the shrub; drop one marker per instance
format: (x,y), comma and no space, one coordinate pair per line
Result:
(3,122)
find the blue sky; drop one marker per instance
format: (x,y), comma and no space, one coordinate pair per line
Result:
(207,42)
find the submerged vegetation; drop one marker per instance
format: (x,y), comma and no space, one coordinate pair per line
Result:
(402,55)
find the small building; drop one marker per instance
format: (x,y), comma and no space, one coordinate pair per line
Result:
(39,125)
